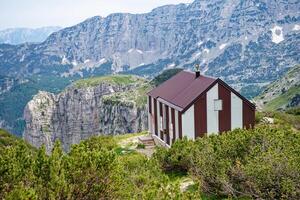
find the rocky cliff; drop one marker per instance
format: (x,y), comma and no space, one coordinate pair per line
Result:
(238,40)
(104,105)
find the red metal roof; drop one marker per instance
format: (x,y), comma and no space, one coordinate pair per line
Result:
(182,89)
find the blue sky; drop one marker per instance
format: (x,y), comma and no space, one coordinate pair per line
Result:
(38,13)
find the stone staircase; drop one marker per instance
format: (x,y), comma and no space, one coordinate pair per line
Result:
(148,141)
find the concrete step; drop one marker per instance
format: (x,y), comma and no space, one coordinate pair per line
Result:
(147,141)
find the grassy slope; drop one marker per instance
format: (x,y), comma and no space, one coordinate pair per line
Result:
(279,93)
(113,79)
(289,118)
(283,99)
(136,96)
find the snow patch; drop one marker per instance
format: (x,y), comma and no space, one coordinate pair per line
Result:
(111,90)
(277,34)
(206,50)
(222,46)
(141,64)
(200,43)
(139,51)
(65,60)
(171,65)
(296,27)
(87,60)
(103,60)
(74,63)
(23,57)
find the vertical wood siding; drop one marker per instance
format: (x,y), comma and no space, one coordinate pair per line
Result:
(176,124)
(200,117)
(212,114)
(180,125)
(248,116)
(188,123)
(161,121)
(173,124)
(150,121)
(149,105)
(225,113)
(236,111)
(167,125)
(155,118)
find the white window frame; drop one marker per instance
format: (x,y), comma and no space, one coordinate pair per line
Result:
(218,104)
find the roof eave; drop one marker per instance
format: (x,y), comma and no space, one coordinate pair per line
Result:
(169,104)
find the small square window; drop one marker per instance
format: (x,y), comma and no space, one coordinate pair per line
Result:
(218,104)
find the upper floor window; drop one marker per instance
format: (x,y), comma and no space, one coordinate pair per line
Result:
(218,104)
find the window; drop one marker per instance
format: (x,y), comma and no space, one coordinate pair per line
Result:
(218,103)
(161,123)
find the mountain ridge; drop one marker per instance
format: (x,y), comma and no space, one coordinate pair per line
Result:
(248,44)
(132,41)
(16,36)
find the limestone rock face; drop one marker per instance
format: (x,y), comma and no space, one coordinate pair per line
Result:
(79,113)
(241,41)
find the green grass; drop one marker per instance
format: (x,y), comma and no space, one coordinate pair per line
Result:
(113,79)
(283,119)
(176,176)
(119,138)
(135,96)
(291,72)
(282,99)
(124,151)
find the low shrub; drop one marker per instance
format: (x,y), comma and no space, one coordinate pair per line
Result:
(257,163)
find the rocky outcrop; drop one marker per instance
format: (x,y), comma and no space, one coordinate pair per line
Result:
(82,111)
